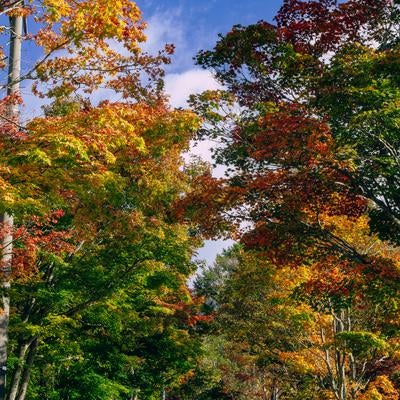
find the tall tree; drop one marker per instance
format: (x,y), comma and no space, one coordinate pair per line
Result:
(89,187)
(289,66)
(115,171)
(307,132)
(6,219)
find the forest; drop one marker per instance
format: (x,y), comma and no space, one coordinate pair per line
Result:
(102,211)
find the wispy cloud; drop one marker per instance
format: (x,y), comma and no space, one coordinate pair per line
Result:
(164,27)
(168,27)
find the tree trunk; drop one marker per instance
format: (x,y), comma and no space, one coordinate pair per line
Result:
(340,358)
(4,319)
(275,393)
(27,370)
(18,372)
(16,24)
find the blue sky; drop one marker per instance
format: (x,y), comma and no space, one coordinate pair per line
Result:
(193,25)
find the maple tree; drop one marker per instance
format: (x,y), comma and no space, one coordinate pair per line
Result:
(307,132)
(88,44)
(262,64)
(114,171)
(90,188)
(309,332)
(75,56)
(105,216)
(257,321)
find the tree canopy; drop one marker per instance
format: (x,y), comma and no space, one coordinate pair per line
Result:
(101,214)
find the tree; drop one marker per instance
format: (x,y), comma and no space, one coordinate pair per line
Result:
(114,171)
(318,331)
(263,64)
(307,132)
(90,190)
(258,320)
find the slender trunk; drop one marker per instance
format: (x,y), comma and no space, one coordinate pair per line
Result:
(275,393)
(328,363)
(4,319)
(340,357)
(27,370)
(16,24)
(14,387)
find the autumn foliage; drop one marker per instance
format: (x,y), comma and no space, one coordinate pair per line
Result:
(107,214)
(306,131)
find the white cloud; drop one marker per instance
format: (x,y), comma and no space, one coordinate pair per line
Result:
(166,27)
(173,26)
(180,86)
(103,94)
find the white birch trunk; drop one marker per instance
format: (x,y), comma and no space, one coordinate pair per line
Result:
(16,25)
